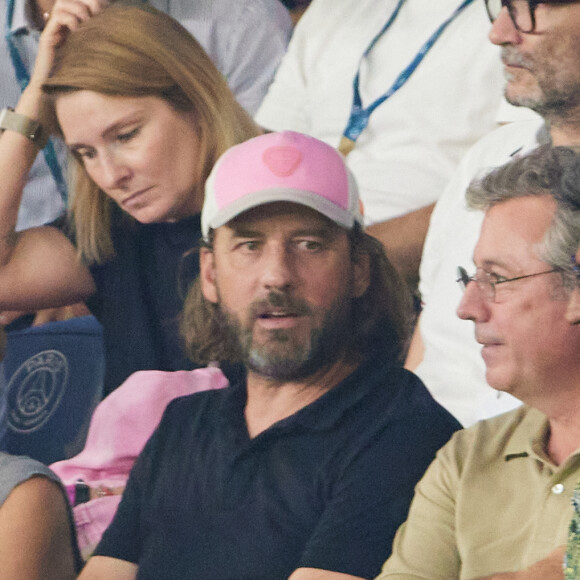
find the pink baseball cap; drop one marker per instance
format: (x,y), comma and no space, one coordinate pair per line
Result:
(285,166)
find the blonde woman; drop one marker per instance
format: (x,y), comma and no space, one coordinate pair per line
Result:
(145,115)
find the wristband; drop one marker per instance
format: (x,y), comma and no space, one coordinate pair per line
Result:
(33,130)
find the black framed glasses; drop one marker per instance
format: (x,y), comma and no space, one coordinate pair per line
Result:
(522,12)
(487,281)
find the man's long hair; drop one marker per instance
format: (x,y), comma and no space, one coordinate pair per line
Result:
(380,322)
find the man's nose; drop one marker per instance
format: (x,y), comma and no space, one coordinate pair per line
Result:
(503,30)
(473,305)
(277,267)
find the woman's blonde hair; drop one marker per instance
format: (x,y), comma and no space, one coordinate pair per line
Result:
(138,51)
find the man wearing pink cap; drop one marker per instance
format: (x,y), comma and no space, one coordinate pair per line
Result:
(305,466)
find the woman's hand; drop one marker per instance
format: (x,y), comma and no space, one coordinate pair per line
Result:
(65,17)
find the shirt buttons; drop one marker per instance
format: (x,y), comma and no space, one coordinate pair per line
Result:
(558,489)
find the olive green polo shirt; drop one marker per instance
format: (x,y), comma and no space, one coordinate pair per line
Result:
(491,501)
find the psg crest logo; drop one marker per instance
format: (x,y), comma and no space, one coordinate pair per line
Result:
(35,390)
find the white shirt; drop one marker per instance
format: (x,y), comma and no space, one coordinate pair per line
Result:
(452,366)
(414,140)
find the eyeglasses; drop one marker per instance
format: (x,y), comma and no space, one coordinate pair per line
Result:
(522,12)
(487,281)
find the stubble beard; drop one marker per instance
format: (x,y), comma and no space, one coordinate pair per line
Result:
(556,96)
(283,356)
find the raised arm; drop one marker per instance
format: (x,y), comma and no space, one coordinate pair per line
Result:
(38,268)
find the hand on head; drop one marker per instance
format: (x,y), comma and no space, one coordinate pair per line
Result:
(65,17)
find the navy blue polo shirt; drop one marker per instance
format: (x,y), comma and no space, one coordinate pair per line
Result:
(324,488)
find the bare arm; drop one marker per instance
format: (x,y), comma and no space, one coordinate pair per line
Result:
(403,238)
(17,152)
(38,267)
(35,535)
(23,284)
(317,574)
(43,271)
(105,568)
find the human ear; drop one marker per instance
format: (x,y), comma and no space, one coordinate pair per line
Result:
(361,275)
(207,275)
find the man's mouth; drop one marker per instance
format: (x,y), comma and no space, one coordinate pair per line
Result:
(277,319)
(486,341)
(278,311)
(277,314)
(511,58)
(279,305)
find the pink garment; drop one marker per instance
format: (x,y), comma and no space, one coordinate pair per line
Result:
(121,425)
(281,166)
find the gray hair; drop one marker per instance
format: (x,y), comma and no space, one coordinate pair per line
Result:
(553,171)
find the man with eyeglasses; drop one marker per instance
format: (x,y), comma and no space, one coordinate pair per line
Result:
(521,12)
(428,84)
(496,502)
(540,50)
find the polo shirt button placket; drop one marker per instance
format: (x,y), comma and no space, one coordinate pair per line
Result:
(558,489)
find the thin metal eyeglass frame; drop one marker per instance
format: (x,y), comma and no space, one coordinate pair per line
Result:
(486,286)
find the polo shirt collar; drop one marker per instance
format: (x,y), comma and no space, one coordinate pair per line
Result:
(323,413)
(326,411)
(530,437)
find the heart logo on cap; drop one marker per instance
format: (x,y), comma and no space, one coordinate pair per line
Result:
(282,160)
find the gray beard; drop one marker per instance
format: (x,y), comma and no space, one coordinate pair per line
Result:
(554,108)
(282,358)
(559,101)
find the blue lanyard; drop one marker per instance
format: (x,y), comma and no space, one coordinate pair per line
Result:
(359,116)
(23,78)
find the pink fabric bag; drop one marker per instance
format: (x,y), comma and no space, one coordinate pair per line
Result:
(120,426)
